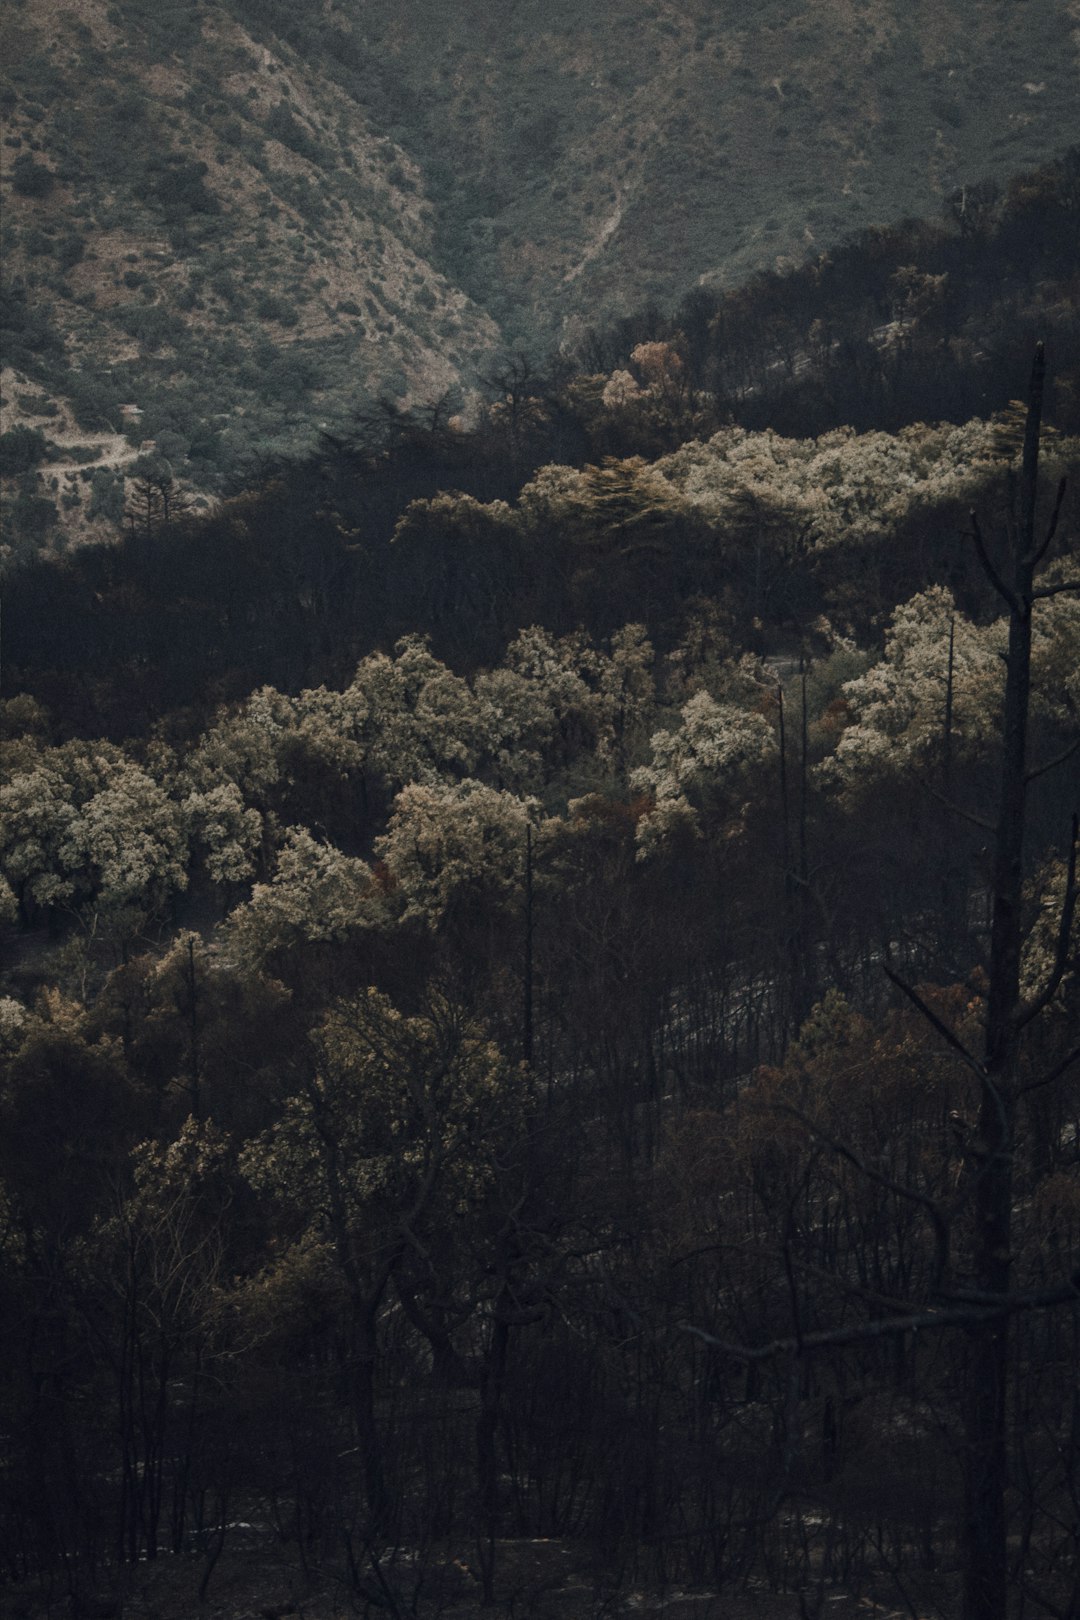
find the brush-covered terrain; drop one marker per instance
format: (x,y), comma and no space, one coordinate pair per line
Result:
(227,224)
(540,1023)
(497,947)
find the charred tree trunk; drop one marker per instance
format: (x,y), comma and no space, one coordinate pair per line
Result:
(984,1538)
(527,976)
(487,1464)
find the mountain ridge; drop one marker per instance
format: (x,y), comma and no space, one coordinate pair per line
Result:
(247,222)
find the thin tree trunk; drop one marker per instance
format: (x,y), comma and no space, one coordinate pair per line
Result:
(985,1528)
(527,986)
(487,1465)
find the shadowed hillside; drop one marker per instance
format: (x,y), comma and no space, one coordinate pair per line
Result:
(241,220)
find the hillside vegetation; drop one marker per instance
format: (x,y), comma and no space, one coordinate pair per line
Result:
(207,229)
(591,167)
(458,1144)
(243,220)
(540,1038)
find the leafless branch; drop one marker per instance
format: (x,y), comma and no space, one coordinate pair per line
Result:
(947,1035)
(1055,590)
(793,1295)
(988,568)
(1052,764)
(956,809)
(968,1314)
(1052,528)
(1055,1073)
(1042,1600)
(937,1219)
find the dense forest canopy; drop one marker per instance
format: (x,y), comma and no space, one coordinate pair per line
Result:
(513,995)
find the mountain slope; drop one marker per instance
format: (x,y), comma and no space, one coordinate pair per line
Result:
(210,231)
(243,219)
(589,165)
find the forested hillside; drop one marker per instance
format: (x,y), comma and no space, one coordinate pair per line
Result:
(468,1094)
(540,1019)
(226,224)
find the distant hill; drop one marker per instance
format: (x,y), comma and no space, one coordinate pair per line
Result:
(586,158)
(245,219)
(207,228)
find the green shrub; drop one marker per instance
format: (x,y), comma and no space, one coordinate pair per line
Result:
(282,125)
(70,250)
(31,179)
(272,307)
(205,444)
(177,183)
(94,402)
(37,405)
(32,516)
(150,324)
(21,448)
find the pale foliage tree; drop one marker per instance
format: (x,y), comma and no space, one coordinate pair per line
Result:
(844,488)
(700,763)
(9,905)
(13,1021)
(129,846)
(450,842)
(841,489)
(419,720)
(620,504)
(317,896)
(564,675)
(1046,896)
(35,813)
(621,389)
(897,708)
(243,748)
(236,768)
(88,829)
(224,832)
(1055,657)
(517,727)
(659,364)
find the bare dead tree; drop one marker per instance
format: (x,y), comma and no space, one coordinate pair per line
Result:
(983,1309)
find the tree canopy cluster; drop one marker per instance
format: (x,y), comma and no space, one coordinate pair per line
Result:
(498,942)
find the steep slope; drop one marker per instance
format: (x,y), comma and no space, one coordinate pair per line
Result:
(207,231)
(588,160)
(243,219)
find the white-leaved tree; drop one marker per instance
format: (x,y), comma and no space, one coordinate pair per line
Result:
(128,845)
(938,687)
(454,845)
(317,896)
(937,669)
(224,833)
(34,815)
(419,717)
(696,768)
(88,830)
